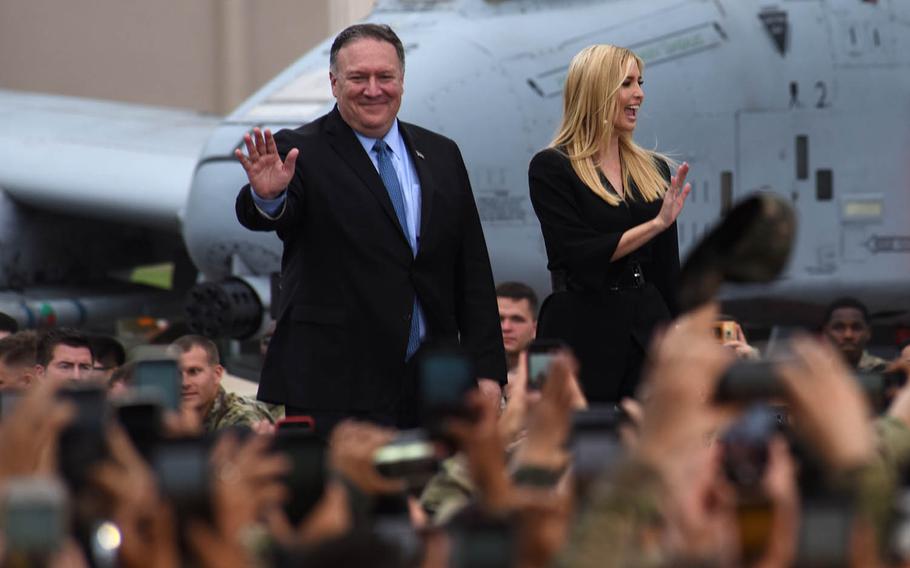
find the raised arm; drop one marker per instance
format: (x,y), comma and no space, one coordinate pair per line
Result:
(269,176)
(268,202)
(571,242)
(672,206)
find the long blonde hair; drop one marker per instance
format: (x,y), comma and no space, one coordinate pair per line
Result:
(589,108)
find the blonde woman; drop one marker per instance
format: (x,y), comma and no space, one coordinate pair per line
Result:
(608,212)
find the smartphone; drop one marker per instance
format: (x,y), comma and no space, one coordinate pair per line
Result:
(35,515)
(303,423)
(598,418)
(83,443)
(881,387)
(745,448)
(480,542)
(161,378)
(183,471)
(391,522)
(307,478)
(445,376)
(141,418)
(411,456)
(749,381)
(746,381)
(90,400)
(595,440)
(540,355)
(725,330)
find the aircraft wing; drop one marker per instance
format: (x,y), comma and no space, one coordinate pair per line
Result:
(99,159)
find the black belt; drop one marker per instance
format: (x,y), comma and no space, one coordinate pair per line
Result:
(632,277)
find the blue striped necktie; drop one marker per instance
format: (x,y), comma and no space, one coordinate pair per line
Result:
(393,186)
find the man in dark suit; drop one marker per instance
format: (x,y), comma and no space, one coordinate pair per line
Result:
(383,247)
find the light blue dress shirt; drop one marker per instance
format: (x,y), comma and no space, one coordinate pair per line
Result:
(410,187)
(407,176)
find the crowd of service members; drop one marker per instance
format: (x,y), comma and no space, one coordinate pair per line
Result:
(813,477)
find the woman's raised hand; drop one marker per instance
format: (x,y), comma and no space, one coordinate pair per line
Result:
(675,197)
(268,175)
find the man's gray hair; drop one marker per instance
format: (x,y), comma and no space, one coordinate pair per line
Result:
(378,32)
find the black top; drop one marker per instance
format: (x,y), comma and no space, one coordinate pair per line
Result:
(608,328)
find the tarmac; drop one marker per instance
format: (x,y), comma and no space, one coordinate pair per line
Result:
(241,386)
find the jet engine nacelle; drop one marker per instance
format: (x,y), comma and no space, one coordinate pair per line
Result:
(237,307)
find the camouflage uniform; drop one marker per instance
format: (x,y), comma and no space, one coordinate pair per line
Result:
(622,523)
(452,488)
(625,515)
(449,491)
(276,410)
(869,363)
(231,409)
(875,484)
(893,442)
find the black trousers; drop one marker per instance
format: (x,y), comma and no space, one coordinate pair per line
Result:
(405,414)
(609,332)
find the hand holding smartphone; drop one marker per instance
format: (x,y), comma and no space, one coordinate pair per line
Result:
(83,442)
(445,376)
(35,516)
(307,479)
(160,378)
(411,456)
(183,471)
(725,331)
(299,423)
(540,355)
(141,418)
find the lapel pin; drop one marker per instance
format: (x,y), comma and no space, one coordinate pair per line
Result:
(419,155)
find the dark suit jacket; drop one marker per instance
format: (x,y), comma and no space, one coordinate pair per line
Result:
(348,276)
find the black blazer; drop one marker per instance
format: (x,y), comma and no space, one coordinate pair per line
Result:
(348,276)
(608,328)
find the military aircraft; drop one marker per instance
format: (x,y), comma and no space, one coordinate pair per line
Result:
(806,98)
